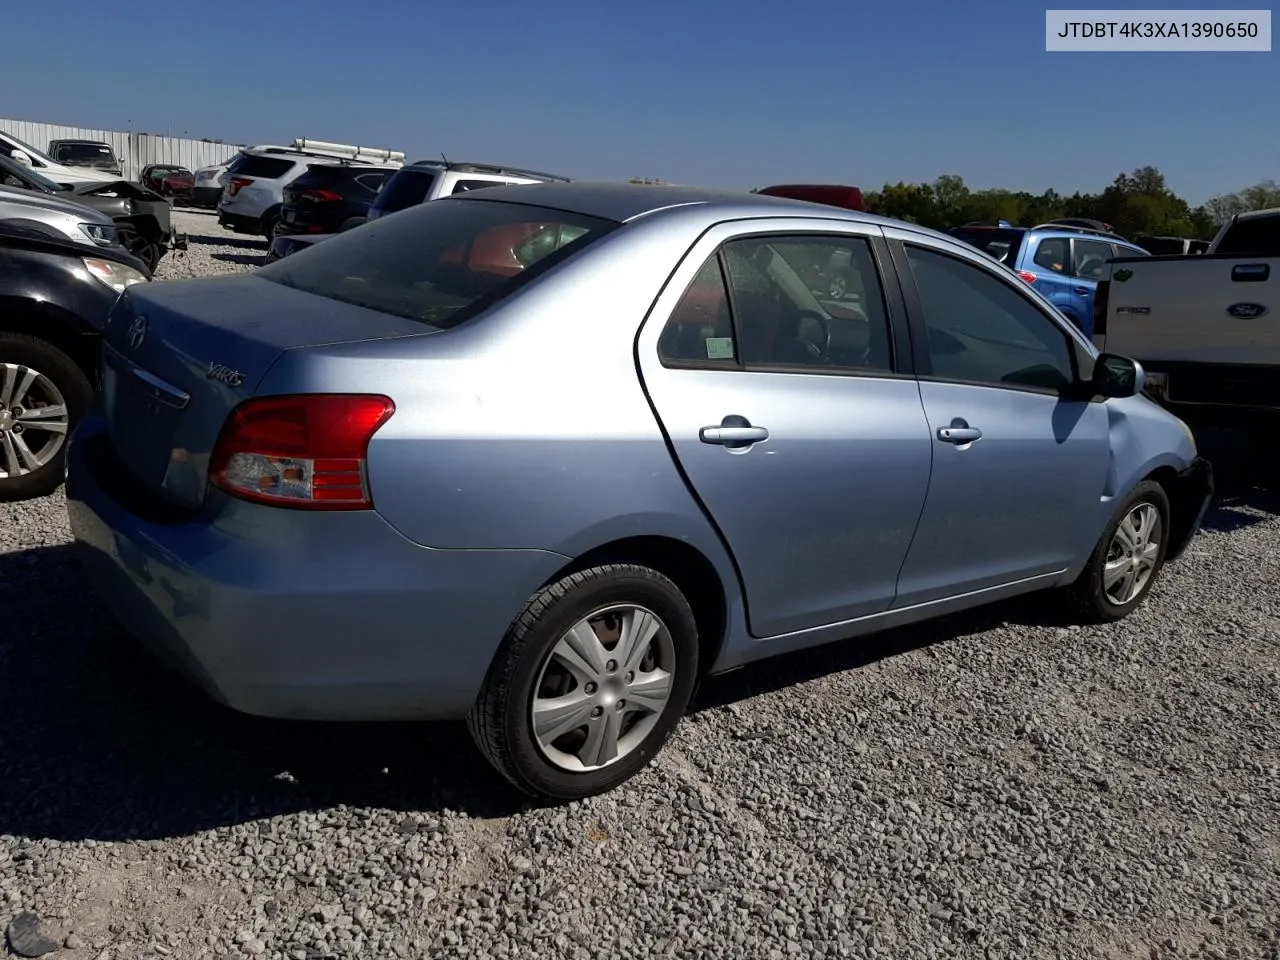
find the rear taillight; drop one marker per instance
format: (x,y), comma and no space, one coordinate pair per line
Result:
(305,451)
(1100,308)
(319,195)
(1027,276)
(236,184)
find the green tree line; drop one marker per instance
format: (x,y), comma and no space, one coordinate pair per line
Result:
(1135,203)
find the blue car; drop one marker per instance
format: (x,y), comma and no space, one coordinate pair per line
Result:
(1062,262)
(541,457)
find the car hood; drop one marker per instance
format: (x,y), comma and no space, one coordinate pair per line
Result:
(125,189)
(49,201)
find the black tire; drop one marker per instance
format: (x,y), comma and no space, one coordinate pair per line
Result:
(1086,598)
(76,390)
(269,224)
(500,720)
(148,251)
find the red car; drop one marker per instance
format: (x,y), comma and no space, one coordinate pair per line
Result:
(832,194)
(177,183)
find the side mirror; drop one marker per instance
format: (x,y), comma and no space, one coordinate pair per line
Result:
(20,156)
(1116,377)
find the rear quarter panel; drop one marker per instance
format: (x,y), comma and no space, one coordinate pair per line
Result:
(526,428)
(1176,309)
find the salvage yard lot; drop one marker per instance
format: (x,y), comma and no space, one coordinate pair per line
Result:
(997,784)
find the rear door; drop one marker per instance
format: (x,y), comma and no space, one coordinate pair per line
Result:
(1088,264)
(1049,258)
(794,416)
(1018,471)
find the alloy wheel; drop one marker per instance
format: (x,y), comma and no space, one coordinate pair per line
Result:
(1132,554)
(34,420)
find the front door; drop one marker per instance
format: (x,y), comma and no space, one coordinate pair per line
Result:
(1018,471)
(785,410)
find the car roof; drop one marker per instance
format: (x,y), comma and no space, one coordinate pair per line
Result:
(622,202)
(96,143)
(1259,214)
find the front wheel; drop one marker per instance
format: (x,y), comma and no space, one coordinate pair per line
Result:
(1127,559)
(589,682)
(43,394)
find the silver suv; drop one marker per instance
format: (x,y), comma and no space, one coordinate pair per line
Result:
(432,179)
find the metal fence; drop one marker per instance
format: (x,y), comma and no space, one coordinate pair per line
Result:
(134,150)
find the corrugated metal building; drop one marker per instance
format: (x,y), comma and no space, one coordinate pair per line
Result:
(134,150)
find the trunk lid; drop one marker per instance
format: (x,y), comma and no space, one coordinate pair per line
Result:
(178,357)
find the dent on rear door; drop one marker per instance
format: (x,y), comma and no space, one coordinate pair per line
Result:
(819,511)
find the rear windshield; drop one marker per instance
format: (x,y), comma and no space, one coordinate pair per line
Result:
(406,188)
(996,242)
(440,263)
(1256,237)
(337,177)
(267,168)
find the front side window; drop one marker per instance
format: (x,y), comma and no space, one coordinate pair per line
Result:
(1089,257)
(980,330)
(441,262)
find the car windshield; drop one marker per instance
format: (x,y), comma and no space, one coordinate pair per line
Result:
(28,148)
(26,175)
(85,151)
(441,262)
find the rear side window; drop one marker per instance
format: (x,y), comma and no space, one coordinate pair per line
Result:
(1051,254)
(1257,237)
(264,168)
(440,263)
(463,186)
(405,188)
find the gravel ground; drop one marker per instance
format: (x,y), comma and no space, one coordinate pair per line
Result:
(991,785)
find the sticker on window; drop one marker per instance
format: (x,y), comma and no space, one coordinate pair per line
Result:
(719,348)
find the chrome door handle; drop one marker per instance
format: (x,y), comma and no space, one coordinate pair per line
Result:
(1083,291)
(959,434)
(733,436)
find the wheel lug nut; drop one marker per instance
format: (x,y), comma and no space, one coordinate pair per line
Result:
(596,712)
(591,688)
(622,705)
(630,676)
(612,666)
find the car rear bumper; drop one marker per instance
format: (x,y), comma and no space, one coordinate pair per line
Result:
(292,614)
(239,222)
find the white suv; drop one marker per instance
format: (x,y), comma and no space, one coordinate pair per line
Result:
(256,179)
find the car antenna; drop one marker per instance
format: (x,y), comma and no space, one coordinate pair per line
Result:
(446,161)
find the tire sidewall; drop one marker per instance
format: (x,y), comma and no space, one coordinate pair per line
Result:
(1148,492)
(661,597)
(76,390)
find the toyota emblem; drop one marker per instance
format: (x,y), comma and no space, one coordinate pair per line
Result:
(137,332)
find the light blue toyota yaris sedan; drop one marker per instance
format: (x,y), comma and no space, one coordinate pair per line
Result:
(543,456)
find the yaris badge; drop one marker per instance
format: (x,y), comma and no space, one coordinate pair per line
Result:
(220,372)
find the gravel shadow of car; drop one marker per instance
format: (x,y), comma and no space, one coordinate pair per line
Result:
(225,241)
(243,259)
(99,741)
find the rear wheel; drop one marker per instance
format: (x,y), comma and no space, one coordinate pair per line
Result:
(1127,559)
(269,224)
(43,394)
(589,683)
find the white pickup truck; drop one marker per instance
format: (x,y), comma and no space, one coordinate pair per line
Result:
(1205,327)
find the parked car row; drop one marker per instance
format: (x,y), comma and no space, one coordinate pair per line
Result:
(87,199)
(330,443)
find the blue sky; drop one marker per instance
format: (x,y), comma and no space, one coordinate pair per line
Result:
(720,94)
